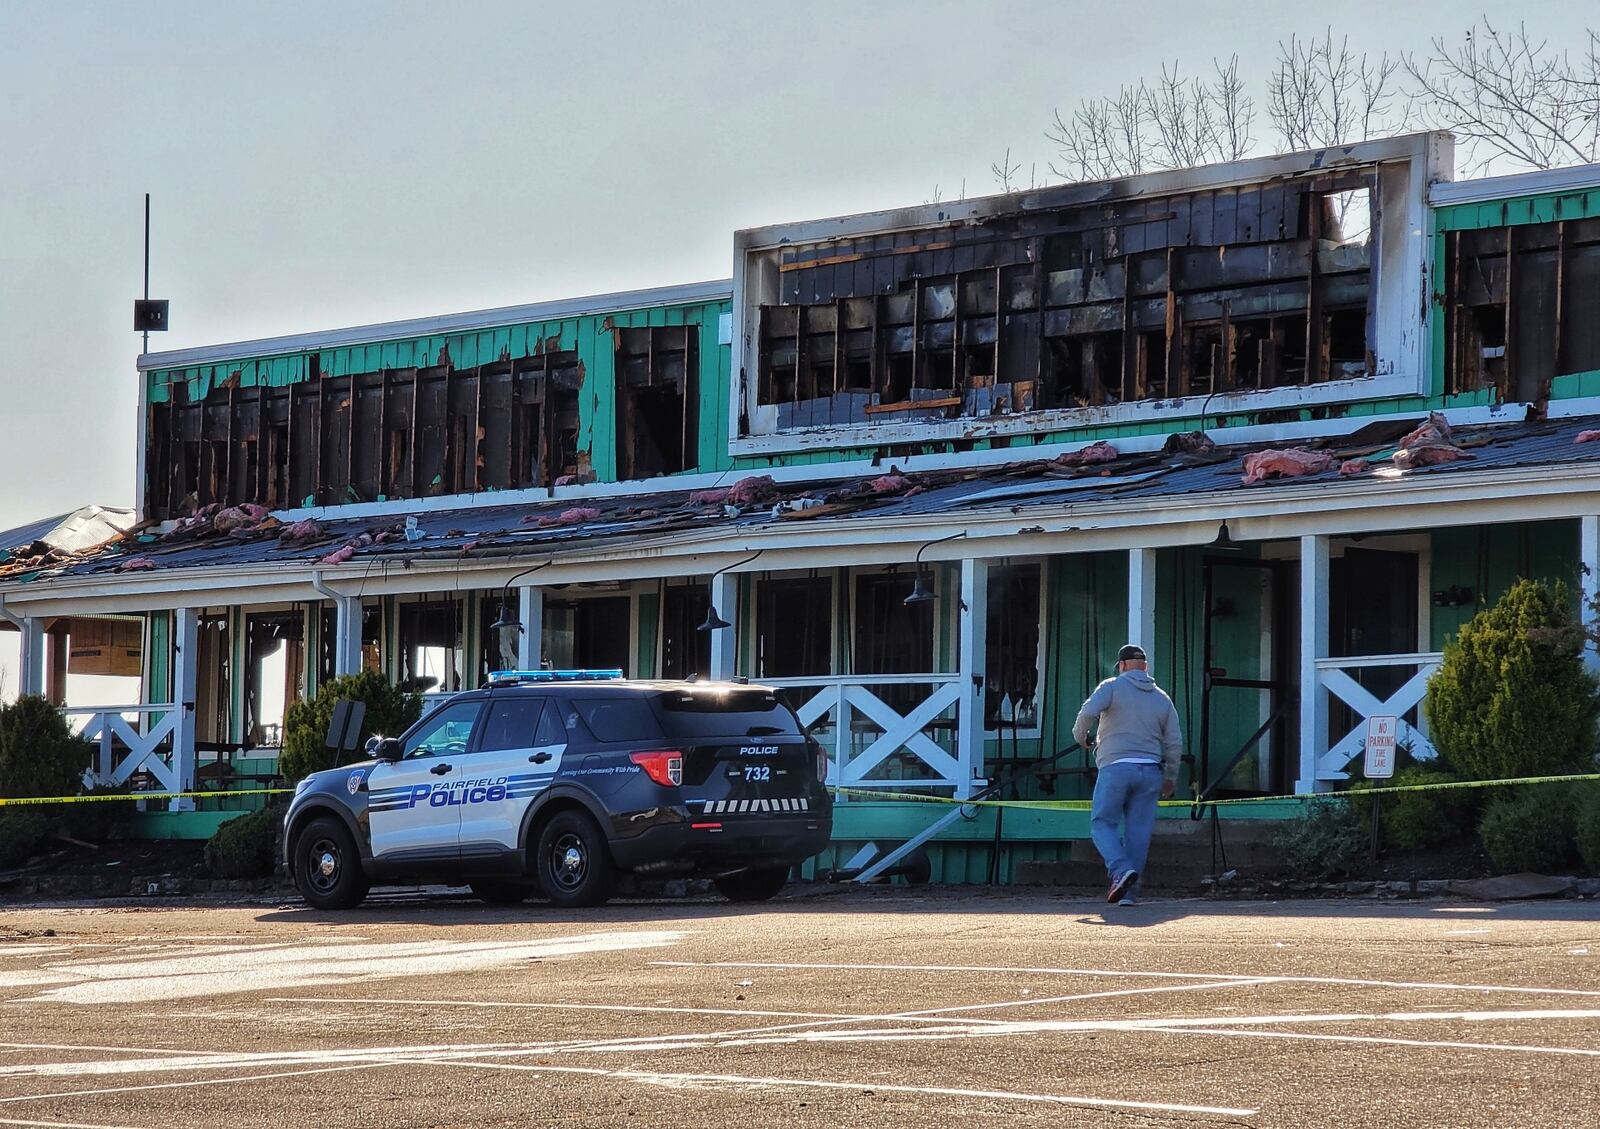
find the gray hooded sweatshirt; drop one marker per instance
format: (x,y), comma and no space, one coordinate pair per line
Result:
(1137,722)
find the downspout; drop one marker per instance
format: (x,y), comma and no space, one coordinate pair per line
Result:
(317,583)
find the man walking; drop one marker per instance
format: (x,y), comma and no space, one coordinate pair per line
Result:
(1136,747)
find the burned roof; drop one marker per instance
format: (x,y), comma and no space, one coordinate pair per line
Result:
(1393,452)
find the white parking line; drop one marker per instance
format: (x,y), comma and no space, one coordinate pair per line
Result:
(60,1124)
(1264,979)
(229,1081)
(1317,1036)
(659,1078)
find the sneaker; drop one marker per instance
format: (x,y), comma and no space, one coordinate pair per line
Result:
(1122,885)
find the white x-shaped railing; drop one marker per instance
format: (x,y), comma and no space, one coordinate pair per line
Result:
(838,701)
(148,751)
(1333,676)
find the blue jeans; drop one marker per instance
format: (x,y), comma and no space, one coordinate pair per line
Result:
(1123,814)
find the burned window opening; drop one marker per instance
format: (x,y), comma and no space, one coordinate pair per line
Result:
(657,392)
(1519,308)
(1076,306)
(391,433)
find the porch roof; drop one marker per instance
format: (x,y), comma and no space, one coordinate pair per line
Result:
(482,534)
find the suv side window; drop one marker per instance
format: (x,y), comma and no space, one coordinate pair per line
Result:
(514,722)
(446,732)
(550,731)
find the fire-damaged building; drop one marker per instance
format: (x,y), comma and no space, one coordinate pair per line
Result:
(1286,422)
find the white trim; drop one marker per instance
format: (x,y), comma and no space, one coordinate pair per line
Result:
(838,436)
(1489,189)
(861,468)
(681,294)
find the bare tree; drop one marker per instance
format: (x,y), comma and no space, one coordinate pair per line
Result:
(1175,123)
(1511,98)
(1320,94)
(1008,175)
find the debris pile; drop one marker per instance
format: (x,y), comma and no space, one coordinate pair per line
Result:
(1291,462)
(1188,443)
(575,515)
(1352,467)
(1429,445)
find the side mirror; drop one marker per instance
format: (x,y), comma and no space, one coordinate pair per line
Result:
(385,748)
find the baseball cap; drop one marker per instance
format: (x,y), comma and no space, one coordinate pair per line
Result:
(1132,653)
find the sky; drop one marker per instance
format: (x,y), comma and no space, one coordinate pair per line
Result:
(321,165)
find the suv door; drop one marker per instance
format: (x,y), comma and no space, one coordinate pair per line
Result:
(415,807)
(518,752)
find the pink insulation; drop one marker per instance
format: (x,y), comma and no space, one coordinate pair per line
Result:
(1101,452)
(755,489)
(1352,467)
(137,564)
(1587,436)
(574,516)
(889,484)
(1293,462)
(244,516)
(1429,445)
(308,529)
(340,555)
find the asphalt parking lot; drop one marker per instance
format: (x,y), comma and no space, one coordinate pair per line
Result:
(870,1008)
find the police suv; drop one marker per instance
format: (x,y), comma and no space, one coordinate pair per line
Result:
(562,779)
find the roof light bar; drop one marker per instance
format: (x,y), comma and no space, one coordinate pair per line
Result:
(556,675)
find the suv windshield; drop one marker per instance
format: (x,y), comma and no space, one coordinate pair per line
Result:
(689,716)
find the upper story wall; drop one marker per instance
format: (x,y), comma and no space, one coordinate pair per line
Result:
(1517,305)
(1283,284)
(622,386)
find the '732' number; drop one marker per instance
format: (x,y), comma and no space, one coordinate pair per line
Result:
(758,772)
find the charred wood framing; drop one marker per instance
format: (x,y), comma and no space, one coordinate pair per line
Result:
(1262,286)
(1521,307)
(656,369)
(390,433)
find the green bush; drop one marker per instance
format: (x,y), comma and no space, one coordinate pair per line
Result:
(1512,697)
(1414,821)
(22,830)
(39,753)
(242,848)
(1586,827)
(305,724)
(1531,829)
(1327,840)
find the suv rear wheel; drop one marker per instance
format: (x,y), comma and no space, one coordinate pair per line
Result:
(327,866)
(754,885)
(572,862)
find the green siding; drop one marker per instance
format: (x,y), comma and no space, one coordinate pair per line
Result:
(1489,559)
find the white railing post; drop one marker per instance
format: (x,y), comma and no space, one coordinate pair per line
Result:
(841,734)
(1589,554)
(530,648)
(972,649)
(185,679)
(725,642)
(30,676)
(1313,646)
(1141,602)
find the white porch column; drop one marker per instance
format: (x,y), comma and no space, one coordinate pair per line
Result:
(1589,554)
(31,658)
(185,678)
(347,635)
(1141,602)
(1313,646)
(530,648)
(725,643)
(972,649)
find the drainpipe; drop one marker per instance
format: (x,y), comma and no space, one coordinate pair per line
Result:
(347,631)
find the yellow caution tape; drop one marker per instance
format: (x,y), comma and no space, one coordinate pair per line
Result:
(116,797)
(1084,805)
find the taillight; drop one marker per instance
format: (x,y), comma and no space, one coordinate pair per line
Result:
(664,766)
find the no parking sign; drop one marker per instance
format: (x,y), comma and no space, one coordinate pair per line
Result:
(1381,734)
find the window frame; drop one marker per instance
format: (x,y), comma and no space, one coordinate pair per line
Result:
(1037,729)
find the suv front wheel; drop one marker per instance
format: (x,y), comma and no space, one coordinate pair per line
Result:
(327,865)
(572,862)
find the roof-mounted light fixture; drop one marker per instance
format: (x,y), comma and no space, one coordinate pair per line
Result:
(509,618)
(921,593)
